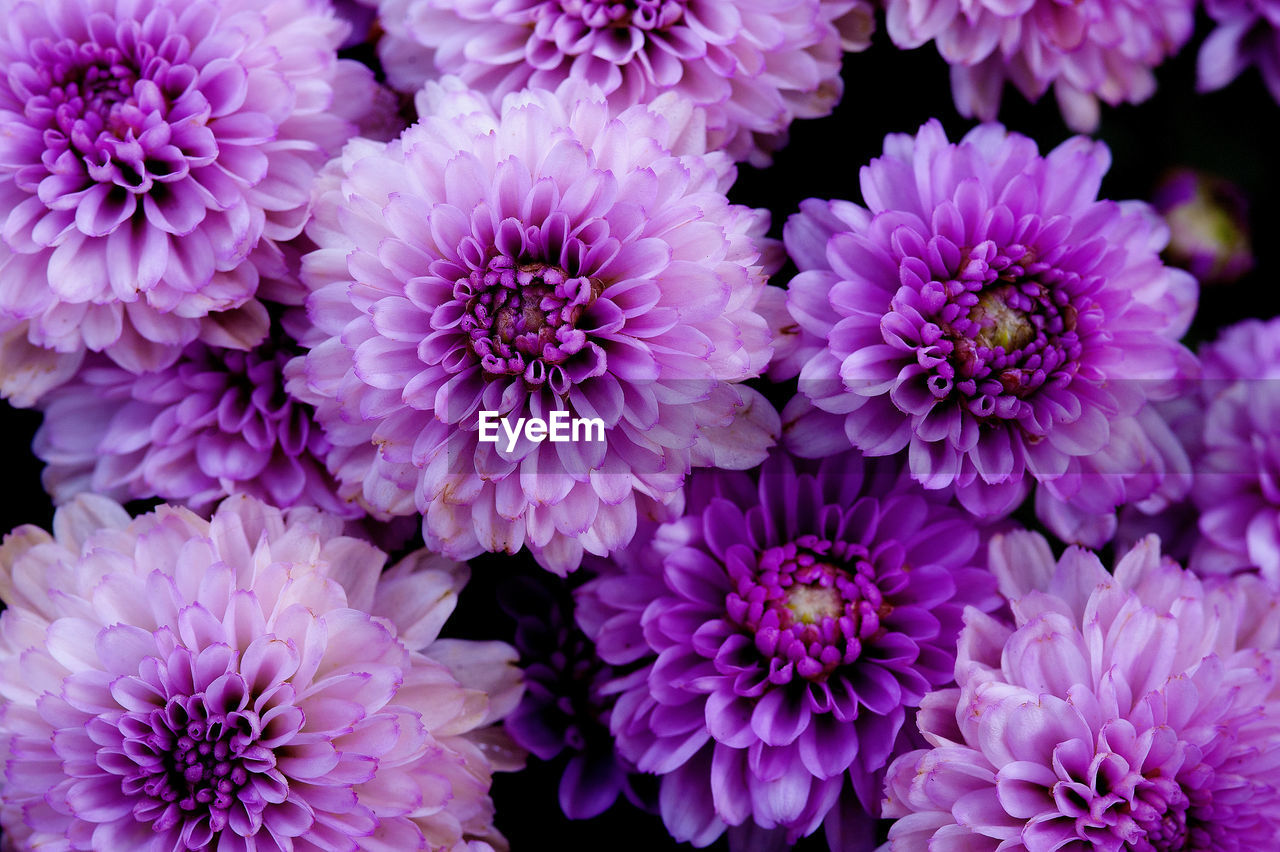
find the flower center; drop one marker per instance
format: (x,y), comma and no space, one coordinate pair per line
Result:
(520,317)
(196,756)
(642,14)
(1001,325)
(811,603)
(997,328)
(110,105)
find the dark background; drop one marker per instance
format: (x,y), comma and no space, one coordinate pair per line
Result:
(1231,133)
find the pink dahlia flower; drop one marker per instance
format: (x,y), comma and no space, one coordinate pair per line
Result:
(215,422)
(547,259)
(1248,34)
(154,154)
(755,65)
(250,682)
(1138,710)
(986,313)
(1088,50)
(776,639)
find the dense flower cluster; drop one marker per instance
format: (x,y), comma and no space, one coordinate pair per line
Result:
(765,516)
(1087,50)
(506,263)
(755,66)
(986,313)
(249,682)
(1130,711)
(785,624)
(154,155)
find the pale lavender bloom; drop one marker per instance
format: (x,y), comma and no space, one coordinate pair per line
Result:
(1138,710)
(250,682)
(154,155)
(755,65)
(780,633)
(1087,50)
(1248,33)
(988,314)
(215,422)
(546,259)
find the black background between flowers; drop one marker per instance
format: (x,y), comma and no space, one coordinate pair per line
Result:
(1234,133)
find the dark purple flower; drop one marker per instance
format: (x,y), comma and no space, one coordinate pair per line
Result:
(1134,711)
(753,66)
(216,422)
(785,626)
(986,313)
(154,155)
(1208,225)
(565,710)
(1247,34)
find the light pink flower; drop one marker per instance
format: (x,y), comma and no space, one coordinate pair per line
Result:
(250,682)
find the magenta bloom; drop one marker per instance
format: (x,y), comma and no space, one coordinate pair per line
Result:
(154,154)
(1135,711)
(1248,34)
(754,66)
(1237,475)
(254,682)
(216,422)
(783,629)
(518,264)
(1088,50)
(988,314)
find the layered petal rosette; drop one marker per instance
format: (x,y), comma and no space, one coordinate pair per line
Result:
(250,682)
(1247,34)
(215,422)
(986,313)
(1237,452)
(546,263)
(1138,710)
(786,626)
(1087,50)
(154,154)
(755,66)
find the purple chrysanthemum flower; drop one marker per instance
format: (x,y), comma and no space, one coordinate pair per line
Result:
(1136,711)
(986,312)
(1208,225)
(1237,474)
(786,625)
(154,154)
(755,66)
(216,422)
(565,711)
(550,259)
(1247,34)
(1088,50)
(253,682)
